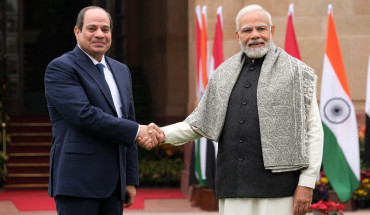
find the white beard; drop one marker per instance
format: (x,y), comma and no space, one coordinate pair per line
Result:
(258,52)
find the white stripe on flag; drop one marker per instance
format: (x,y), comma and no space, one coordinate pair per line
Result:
(203,156)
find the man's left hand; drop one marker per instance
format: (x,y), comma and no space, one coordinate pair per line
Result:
(130,194)
(302,200)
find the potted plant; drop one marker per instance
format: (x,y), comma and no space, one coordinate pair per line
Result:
(362,194)
(327,207)
(322,187)
(161,167)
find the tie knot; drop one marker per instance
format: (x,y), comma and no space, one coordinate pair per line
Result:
(101,71)
(100,68)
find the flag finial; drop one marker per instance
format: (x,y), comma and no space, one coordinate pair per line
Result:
(198,15)
(219,9)
(197,8)
(219,12)
(330,9)
(204,12)
(291,9)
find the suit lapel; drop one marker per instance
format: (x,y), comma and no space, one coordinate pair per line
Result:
(88,66)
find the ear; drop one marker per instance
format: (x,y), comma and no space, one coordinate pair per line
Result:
(77,32)
(272,30)
(237,35)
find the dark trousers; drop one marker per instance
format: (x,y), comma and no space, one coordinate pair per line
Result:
(69,205)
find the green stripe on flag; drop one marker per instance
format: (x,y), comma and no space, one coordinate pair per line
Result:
(336,168)
(198,167)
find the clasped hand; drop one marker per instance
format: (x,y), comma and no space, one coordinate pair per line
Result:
(150,136)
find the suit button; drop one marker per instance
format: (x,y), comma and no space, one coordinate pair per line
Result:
(240,159)
(240,140)
(244,102)
(251,68)
(248,85)
(241,121)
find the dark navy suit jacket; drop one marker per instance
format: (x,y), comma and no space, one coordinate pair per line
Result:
(92,148)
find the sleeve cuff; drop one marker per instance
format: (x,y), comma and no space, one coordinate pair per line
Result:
(307,181)
(137,133)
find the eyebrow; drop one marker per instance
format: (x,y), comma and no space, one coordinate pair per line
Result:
(93,25)
(260,25)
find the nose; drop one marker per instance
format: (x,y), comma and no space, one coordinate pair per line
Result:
(255,34)
(99,33)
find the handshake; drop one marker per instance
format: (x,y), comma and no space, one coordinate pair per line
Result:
(150,136)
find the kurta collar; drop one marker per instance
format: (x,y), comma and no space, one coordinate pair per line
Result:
(248,60)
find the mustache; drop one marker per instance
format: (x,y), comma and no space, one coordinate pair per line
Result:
(99,40)
(255,42)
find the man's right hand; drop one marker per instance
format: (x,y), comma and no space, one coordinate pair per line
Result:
(159,132)
(150,136)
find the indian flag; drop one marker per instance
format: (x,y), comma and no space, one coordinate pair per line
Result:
(205,150)
(341,157)
(200,145)
(201,49)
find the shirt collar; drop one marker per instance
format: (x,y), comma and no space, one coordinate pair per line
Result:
(94,60)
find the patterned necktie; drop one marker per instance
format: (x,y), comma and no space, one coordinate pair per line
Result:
(101,71)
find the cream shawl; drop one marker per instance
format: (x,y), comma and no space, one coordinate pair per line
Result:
(284,94)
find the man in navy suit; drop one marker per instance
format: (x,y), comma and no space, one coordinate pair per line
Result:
(93,159)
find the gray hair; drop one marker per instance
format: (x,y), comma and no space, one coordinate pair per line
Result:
(248,9)
(81,15)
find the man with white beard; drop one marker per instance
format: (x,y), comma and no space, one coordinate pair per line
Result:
(260,105)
